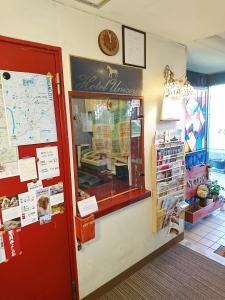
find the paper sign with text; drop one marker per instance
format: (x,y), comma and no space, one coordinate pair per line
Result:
(87,206)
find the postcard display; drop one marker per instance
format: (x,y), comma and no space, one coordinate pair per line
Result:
(27,118)
(168,161)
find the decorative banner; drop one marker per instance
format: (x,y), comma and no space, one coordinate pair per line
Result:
(195,121)
(12,244)
(97,76)
(194,177)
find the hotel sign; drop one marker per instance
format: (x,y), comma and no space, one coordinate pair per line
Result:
(101,77)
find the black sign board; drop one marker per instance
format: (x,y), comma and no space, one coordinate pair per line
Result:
(102,77)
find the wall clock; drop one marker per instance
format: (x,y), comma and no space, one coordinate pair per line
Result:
(108,42)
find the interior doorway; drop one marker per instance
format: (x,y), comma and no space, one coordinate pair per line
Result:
(206,234)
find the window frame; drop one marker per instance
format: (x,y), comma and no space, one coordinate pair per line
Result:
(113,203)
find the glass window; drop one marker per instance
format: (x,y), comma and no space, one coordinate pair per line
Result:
(216,134)
(108,145)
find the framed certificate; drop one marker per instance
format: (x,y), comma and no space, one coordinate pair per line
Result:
(134,47)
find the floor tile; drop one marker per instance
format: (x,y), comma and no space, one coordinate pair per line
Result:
(211,224)
(194,236)
(215,246)
(221,242)
(212,237)
(221,228)
(217,233)
(202,248)
(205,228)
(206,242)
(199,232)
(218,221)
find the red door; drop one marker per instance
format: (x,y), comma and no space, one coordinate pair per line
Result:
(46,268)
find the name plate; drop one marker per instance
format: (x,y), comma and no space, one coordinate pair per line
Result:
(96,76)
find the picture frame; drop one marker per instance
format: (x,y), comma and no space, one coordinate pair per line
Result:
(134,47)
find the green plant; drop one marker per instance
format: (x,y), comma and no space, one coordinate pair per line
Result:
(215,188)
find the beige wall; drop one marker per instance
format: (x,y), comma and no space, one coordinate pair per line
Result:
(124,237)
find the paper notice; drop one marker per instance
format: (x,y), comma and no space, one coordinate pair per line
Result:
(57,198)
(135,128)
(2,250)
(11,214)
(28,206)
(87,206)
(9,170)
(33,186)
(48,162)
(27,169)
(12,243)
(43,202)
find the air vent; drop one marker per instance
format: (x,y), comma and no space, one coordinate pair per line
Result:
(94,3)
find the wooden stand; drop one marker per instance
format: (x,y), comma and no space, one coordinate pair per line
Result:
(193,217)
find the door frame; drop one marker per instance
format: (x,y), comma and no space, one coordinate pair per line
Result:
(57,51)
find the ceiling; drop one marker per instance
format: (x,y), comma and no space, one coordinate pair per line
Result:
(199,24)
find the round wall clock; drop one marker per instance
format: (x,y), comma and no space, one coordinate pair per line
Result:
(108,42)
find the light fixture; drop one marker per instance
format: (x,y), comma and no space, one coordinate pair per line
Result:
(172,101)
(175,91)
(188,91)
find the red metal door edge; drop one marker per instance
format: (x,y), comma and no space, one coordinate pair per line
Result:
(65,149)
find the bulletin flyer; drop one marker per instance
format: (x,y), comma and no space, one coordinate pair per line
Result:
(38,204)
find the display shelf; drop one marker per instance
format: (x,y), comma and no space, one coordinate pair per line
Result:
(193,217)
(166,199)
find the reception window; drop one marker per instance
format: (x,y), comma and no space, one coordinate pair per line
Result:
(108,146)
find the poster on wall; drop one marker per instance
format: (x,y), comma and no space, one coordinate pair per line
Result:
(8,154)
(11,214)
(57,198)
(30,110)
(195,122)
(43,205)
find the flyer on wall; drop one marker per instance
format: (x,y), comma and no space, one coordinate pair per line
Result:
(43,205)
(12,243)
(28,205)
(57,198)
(2,250)
(11,214)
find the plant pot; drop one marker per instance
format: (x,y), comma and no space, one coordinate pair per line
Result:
(223,207)
(203,202)
(214,196)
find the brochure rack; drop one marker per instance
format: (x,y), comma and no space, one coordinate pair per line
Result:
(168,178)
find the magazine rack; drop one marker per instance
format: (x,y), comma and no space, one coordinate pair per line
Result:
(168,160)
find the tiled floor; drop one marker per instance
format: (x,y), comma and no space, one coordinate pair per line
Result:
(207,235)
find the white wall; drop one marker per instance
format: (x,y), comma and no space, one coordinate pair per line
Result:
(123,237)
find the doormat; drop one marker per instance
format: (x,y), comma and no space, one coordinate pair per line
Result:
(220,251)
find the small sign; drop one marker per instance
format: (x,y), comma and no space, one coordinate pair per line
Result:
(135,102)
(87,206)
(48,162)
(27,168)
(97,76)
(12,245)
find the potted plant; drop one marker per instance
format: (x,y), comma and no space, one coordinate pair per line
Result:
(215,189)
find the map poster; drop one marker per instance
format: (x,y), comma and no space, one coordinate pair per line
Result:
(8,154)
(30,110)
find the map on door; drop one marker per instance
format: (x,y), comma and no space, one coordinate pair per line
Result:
(7,152)
(29,107)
